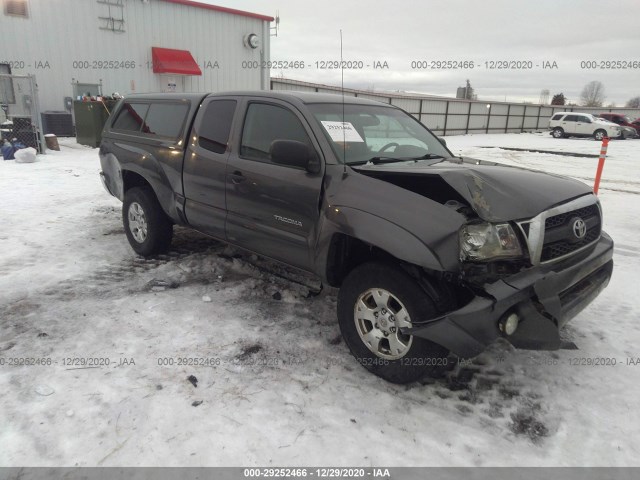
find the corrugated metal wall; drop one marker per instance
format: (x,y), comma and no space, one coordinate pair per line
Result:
(458,117)
(61,32)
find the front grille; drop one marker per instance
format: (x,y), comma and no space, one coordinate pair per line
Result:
(563,218)
(559,239)
(559,249)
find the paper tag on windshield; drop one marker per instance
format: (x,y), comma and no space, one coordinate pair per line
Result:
(342,132)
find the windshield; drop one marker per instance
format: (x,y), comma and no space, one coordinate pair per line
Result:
(375,133)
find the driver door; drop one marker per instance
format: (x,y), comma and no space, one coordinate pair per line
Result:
(272,209)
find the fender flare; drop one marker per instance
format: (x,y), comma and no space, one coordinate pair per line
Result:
(375,231)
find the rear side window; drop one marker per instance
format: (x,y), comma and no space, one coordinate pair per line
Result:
(165,119)
(266,123)
(557,116)
(216,125)
(131,117)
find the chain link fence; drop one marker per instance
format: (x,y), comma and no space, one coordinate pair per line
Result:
(19,111)
(446,116)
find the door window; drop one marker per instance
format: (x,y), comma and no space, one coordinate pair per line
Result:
(265,123)
(131,117)
(216,125)
(571,118)
(165,119)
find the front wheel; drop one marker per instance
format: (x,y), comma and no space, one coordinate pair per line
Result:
(376,301)
(147,227)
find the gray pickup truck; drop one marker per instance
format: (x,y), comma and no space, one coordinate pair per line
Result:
(433,254)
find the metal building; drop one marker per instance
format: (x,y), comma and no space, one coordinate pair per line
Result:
(74,47)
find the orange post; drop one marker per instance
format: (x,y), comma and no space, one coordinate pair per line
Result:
(603,155)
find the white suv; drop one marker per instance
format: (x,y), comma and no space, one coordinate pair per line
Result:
(572,124)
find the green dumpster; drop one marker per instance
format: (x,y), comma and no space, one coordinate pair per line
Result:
(90,119)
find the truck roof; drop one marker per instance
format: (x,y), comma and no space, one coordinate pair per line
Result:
(303,97)
(290,96)
(166,96)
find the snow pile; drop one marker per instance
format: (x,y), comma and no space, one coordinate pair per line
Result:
(25,155)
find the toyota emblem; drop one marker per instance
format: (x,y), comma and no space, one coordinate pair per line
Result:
(579,228)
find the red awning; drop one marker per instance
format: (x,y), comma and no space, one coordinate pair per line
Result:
(169,60)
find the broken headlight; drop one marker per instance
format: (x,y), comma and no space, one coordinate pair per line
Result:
(487,241)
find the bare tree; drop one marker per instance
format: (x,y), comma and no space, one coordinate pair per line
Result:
(634,102)
(592,94)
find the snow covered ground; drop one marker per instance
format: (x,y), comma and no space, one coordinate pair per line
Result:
(280,387)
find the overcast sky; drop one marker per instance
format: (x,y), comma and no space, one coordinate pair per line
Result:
(402,31)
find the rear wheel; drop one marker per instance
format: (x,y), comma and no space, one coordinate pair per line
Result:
(147,227)
(599,134)
(376,301)
(557,132)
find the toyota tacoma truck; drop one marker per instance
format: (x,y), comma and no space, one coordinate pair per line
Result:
(432,254)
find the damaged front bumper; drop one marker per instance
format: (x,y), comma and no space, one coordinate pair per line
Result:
(544,298)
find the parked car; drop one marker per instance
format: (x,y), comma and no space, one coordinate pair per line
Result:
(572,124)
(625,132)
(628,132)
(631,131)
(432,253)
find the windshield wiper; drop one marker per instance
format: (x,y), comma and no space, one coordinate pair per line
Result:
(426,156)
(379,160)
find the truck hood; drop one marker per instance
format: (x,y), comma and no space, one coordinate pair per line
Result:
(496,192)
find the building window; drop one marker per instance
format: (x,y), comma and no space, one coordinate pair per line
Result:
(16,7)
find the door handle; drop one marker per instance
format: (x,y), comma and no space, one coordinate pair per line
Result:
(237,177)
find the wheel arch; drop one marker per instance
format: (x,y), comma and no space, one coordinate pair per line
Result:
(132,178)
(347,253)
(349,236)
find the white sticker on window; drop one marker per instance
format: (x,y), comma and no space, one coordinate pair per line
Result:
(342,132)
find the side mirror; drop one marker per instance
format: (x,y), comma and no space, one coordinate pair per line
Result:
(442,141)
(294,154)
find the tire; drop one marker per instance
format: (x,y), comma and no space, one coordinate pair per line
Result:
(599,134)
(395,357)
(147,227)
(557,133)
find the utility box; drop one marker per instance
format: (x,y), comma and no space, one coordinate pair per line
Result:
(90,119)
(58,123)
